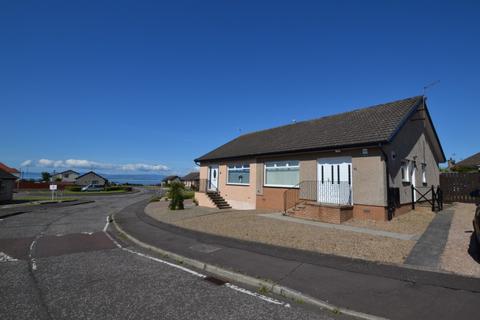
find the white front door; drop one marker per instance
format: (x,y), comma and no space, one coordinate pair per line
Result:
(213,178)
(335,180)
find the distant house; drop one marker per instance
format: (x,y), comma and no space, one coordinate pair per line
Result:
(170,179)
(472,162)
(191,180)
(68,176)
(91,178)
(7,184)
(358,164)
(10,170)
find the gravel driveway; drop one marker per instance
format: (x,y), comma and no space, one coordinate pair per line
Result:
(461,254)
(248,225)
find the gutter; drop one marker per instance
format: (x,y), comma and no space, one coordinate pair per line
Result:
(390,206)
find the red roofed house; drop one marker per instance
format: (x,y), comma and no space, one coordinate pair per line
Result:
(12,171)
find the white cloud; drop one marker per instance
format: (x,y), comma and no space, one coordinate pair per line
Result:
(26,163)
(87,164)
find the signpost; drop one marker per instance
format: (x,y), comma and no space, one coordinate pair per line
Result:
(53,188)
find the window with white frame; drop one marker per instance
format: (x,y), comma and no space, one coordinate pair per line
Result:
(424,173)
(282,173)
(405,171)
(238,174)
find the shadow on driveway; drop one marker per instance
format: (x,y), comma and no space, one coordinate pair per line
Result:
(474,248)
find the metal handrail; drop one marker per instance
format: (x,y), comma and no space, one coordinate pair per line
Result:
(336,193)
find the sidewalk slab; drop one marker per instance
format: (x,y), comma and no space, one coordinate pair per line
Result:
(384,290)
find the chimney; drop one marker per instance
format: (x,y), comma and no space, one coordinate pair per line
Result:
(450,163)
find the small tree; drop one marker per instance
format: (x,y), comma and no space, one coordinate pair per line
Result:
(176,195)
(46,176)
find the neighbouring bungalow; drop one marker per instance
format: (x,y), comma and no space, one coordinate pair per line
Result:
(191,180)
(7,184)
(170,179)
(472,163)
(91,178)
(10,170)
(358,164)
(68,176)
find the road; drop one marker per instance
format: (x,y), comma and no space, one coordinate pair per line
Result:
(65,263)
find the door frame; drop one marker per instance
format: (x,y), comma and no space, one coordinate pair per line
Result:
(333,161)
(413,178)
(210,170)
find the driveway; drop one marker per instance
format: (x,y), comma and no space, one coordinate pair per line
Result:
(390,242)
(59,263)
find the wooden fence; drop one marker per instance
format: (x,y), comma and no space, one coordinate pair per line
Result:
(459,186)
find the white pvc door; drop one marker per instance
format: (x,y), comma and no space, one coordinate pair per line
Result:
(213,178)
(335,180)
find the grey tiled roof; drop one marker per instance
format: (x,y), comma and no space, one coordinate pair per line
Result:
(191,176)
(471,161)
(358,127)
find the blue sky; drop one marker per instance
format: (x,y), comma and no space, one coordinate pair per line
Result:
(151,83)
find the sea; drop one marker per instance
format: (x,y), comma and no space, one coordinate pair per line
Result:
(143,179)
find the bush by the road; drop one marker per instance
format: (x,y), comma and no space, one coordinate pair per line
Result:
(175,194)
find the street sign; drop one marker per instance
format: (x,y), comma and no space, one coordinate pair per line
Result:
(53,187)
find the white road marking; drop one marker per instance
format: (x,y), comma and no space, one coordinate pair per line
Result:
(197,274)
(34,263)
(89,233)
(6,258)
(106,224)
(257,295)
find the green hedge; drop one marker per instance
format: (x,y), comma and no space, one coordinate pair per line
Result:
(73,188)
(118,188)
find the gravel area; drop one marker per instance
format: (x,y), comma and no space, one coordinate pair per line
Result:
(413,222)
(461,254)
(248,225)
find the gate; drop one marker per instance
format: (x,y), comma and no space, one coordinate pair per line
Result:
(460,187)
(428,195)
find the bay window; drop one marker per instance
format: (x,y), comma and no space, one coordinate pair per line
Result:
(282,173)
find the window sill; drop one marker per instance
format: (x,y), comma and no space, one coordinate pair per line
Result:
(280,186)
(238,184)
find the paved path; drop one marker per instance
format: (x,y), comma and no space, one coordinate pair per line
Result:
(383,290)
(60,263)
(428,250)
(373,232)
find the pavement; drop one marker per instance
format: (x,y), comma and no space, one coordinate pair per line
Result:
(24,208)
(428,250)
(69,263)
(388,291)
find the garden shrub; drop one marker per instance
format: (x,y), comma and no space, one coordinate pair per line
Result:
(73,188)
(175,194)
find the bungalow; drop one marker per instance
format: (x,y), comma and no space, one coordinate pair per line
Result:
(68,176)
(358,164)
(169,179)
(10,170)
(91,178)
(191,180)
(472,162)
(7,184)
